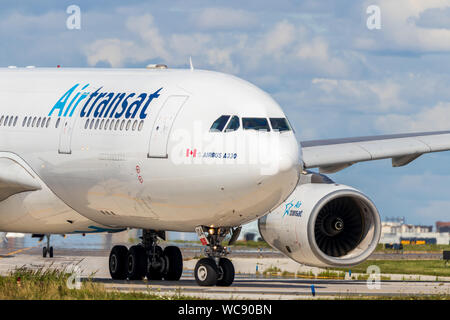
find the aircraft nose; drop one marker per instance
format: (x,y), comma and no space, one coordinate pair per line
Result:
(288,155)
(284,155)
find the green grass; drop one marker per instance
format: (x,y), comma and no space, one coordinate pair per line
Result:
(331,274)
(270,270)
(436,248)
(398,297)
(420,267)
(252,244)
(239,243)
(26,284)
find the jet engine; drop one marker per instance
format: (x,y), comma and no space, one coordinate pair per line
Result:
(323,224)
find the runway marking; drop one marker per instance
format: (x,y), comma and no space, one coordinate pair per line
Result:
(16,251)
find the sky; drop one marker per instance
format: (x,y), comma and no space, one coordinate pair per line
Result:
(332,75)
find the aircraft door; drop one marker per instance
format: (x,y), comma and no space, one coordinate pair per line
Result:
(163,125)
(65,137)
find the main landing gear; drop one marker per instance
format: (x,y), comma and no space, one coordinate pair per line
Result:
(215,269)
(47,250)
(146,259)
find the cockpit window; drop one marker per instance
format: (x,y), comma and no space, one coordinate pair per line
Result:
(219,124)
(280,124)
(233,125)
(255,124)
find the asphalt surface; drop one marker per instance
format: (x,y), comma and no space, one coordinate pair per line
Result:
(247,284)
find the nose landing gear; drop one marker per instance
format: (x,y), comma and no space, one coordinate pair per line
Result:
(146,260)
(47,250)
(216,269)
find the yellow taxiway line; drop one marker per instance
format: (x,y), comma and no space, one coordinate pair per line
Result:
(16,251)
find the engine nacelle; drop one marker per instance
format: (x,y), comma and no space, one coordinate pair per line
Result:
(323,224)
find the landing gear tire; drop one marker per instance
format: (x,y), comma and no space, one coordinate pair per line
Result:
(118,262)
(175,263)
(226,273)
(136,263)
(44,252)
(154,273)
(50,252)
(206,272)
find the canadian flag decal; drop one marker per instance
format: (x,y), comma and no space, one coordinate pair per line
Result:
(191,152)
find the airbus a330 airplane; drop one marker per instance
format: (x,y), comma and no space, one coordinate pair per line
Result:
(101,150)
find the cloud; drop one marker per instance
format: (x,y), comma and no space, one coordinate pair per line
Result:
(223,18)
(149,45)
(362,95)
(435,210)
(276,40)
(434,18)
(428,119)
(402,31)
(316,52)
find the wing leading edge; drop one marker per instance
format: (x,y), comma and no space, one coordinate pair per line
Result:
(15,179)
(336,154)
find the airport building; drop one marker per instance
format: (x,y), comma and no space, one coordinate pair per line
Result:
(443,226)
(397,231)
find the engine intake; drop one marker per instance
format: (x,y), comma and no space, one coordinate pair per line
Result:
(324,224)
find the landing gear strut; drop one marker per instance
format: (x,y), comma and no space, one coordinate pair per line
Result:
(146,259)
(47,250)
(216,269)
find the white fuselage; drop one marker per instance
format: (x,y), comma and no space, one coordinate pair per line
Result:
(159,168)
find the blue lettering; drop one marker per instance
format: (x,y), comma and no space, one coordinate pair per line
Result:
(62,101)
(152,96)
(93,94)
(119,97)
(84,95)
(136,105)
(102,105)
(124,106)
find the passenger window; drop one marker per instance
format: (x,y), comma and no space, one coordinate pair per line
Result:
(15,120)
(86,124)
(106,124)
(280,124)
(134,124)
(38,122)
(34,121)
(233,125)
(6,120)
(1,120)
(48,122)
(57,122)
(219,124)
(255,124)
(29,122)
(141,125)
(24,122)
(128,125)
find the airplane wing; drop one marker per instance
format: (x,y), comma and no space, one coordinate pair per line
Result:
(336,154)
(15,179)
